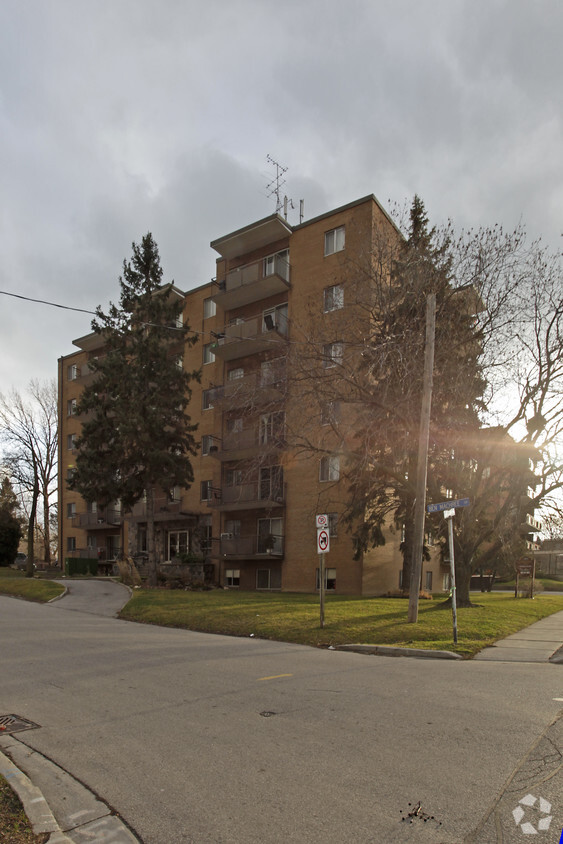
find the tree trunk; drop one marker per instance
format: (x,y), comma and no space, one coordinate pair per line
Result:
(151,543)
(462,583)
(30,567)
(46,530)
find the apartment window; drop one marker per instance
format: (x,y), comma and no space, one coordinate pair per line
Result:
(232,577)
(271,483)
(235,374)
(233,477)
(234,426)
(92,507)
(206,444)
(272,427)
(272,371)
(334,240)
(142,540)
(71,543)
(206,532)
(278,264)
(70,473)
(333,524)
(447,582)
(268,579)
(400,578)
(270,536)
(71,407)
(330,413)
(333,298)
(329,468)
(207,399)
(71,510)
(330,579)
(209,308)
(205,491)
(71,441)
(232,527)
(332,354)
(208,354)
(275,318)
(178,543)
(72,372)
(179,362)
(174,494)
(428,581)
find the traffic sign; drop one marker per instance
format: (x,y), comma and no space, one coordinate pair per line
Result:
(322,520)
(323,541)
(448,505)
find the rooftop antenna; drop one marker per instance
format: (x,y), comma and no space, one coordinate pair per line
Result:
(277,183)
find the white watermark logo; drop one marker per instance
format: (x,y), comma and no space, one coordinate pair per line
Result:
(535,808)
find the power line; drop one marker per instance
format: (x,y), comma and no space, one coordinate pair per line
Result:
(44,302)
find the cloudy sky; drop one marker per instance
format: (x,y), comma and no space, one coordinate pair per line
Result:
(122,116)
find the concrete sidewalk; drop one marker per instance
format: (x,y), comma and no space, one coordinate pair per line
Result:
(56,803)
(541,642)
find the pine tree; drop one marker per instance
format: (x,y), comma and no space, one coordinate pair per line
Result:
(10,527)
(137,436)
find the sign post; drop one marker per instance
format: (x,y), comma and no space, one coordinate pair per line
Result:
(448,508)
(323,545)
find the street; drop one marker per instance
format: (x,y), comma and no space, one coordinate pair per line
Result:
(200,738)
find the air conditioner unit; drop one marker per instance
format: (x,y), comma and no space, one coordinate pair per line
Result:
(227,536)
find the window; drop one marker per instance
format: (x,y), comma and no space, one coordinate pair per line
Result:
(272,371)
(209,308)
(207,444)
(179,361)
(268,579)
(275,318)
(178,543)
(270,536)
(206,491)
(232,526)
(208,354)
(428,581)
(71,543)
(206,534)
(332,353)
(71,510)
(70,473)
(272,427)
(71,407)
(446,583)
(71,441)
(234,426)
(330,413)
(235,374)
(401,579)
(333,524)
(330,579)
(334,240)
(72,372)
(142,539)
(233,477)
(271,483)
(232,577)
(329,468)
(278,264)
(333,298)
(207,399)
(174,494)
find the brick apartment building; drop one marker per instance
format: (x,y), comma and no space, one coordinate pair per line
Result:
(251,509)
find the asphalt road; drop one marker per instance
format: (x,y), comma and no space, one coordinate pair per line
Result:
(200,738)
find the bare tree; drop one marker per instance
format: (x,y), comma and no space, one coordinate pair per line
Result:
(28,429)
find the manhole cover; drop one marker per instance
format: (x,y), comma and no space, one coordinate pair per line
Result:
(15,724)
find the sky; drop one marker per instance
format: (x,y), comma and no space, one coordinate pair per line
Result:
(119,117)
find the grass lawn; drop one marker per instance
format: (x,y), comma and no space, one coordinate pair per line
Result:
(382,621)
(14,826)
(15,583)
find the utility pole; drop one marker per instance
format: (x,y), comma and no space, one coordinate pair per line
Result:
(422,464)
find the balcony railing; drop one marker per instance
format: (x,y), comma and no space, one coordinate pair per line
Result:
(239,445)
(255,389)
(248,496)
(253,282)
(100,520)
(250,336)
(164,508)
(244,547)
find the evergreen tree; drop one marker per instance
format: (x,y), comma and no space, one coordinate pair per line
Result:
(137,436)
(10,527)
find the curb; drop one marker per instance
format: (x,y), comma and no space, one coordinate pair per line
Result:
(35,806)
(390,650)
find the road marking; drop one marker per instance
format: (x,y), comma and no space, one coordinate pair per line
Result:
(560,699)
(274,677)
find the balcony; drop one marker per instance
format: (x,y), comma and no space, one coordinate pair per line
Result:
(251,283)
(251,336)
(253,390)
(257,496)
(248,547)
(241,445)
(530,524)
(165,509)
(102,519)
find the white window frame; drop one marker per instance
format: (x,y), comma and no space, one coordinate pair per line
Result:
(271,266)
(72,372)
(330,413)
(332,354)
(71,407)
(232,578)
(330,579)
(208,354)
(235,374)
(205,490)
(178,542)
(71,442)
(206,400)
(209,308)
(70,509)
(335,240)
(329,468)
(333,298)
(206,443)
(333,525)
(279,319)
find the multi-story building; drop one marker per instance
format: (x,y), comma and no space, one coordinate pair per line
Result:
(272,442)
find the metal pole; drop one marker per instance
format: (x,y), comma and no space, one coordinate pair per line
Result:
(322,589)
(422,465)
(452,574)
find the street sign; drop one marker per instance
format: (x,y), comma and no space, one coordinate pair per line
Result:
(448,505)
(322,520)
(323,541)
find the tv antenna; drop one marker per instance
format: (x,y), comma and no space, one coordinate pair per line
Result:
(274,187)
